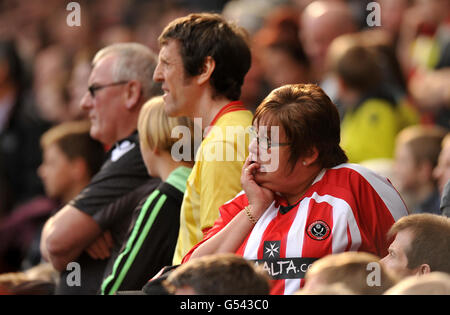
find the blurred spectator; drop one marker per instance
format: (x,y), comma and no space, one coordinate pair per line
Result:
(116,34)
(424,53)
(39,280)
(430,90)
(255,87)
(320,23)
(424,36)
(392,16)
(434,283)
(119,84)
(445,200)
(51,76)
(393,80)
(283,58)
(71,158)
(71,38)
(220,274)
(285,63)
(69,149)
(372,117)
(442,171)
(151,19)
(421,245)
(352,269)
(384,47)
(249,14)
(416,155)
(280,25)
(277,56)
(20,129)
(153,232)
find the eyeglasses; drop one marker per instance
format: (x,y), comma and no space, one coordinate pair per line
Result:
(264,142)
(93,88)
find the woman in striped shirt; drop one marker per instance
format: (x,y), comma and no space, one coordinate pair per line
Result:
(301,200)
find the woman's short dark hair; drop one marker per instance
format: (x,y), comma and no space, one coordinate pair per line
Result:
(205,34)
(309,119)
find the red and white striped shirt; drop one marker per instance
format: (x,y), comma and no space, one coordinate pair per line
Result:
(347,208)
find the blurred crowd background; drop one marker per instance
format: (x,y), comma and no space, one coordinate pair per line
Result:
(45,65)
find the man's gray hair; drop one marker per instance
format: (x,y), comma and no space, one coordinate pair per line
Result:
(135,62)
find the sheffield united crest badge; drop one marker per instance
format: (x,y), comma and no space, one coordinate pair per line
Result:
(318,230)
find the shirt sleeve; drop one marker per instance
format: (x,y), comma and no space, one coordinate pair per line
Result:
(376,206)
(121,208)
(114,180)
(227,212)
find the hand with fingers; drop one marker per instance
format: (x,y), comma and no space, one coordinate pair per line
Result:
(100,248)
(259,198)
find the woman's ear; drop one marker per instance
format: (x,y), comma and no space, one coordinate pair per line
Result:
(156,150)
(208,68)
(311,158)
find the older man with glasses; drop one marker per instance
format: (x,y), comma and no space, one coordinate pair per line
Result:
(91,225)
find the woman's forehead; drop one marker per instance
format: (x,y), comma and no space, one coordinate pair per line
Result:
(267,120)
(270,127)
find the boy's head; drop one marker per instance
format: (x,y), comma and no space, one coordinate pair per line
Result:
(416,155)
(358,69)
(70,158)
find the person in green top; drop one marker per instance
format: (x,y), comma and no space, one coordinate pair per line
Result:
(153,231)
(374,110)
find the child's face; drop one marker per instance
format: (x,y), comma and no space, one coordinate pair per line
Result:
(405,168)
(55,172)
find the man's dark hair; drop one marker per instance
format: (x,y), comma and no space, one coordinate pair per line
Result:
(205,34)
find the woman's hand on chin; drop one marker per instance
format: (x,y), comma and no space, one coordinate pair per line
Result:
(259,198)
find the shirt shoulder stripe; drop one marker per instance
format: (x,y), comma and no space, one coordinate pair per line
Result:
(383,187)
